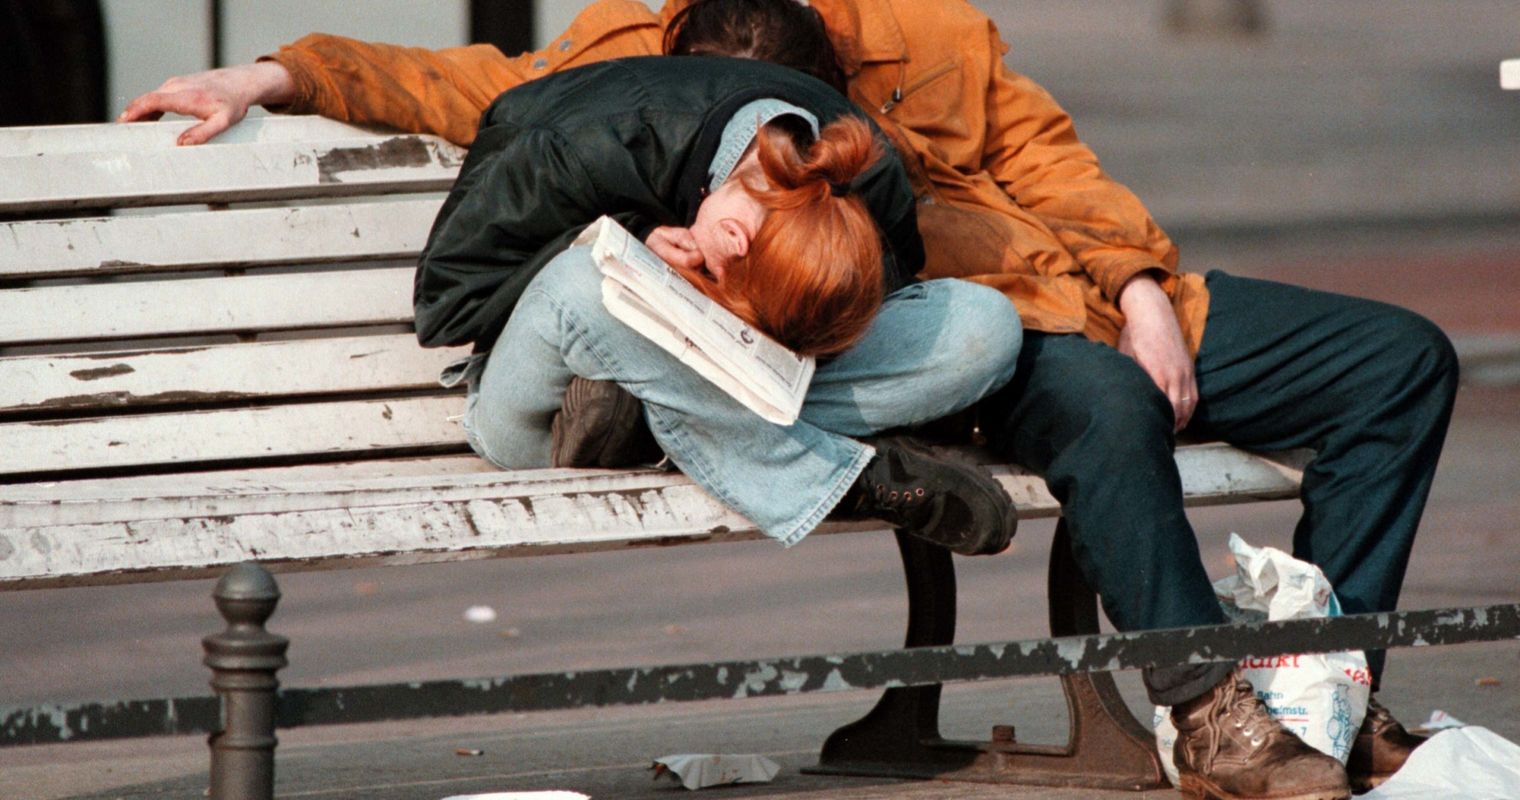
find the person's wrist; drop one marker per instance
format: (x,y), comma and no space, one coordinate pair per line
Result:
(272,84)
(1139,293)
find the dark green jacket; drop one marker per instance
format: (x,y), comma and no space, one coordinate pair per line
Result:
(631,138)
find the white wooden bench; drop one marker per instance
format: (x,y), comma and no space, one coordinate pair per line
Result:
(202,371)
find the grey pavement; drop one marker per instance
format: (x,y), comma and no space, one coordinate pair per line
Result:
(1361,147)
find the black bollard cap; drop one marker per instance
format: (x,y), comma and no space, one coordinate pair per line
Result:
(247,581)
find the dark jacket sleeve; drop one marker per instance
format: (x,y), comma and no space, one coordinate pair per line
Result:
(522,196)
(889,196)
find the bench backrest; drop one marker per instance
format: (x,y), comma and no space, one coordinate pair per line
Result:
(196,317)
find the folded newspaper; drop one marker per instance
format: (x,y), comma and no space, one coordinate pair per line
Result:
(646,294)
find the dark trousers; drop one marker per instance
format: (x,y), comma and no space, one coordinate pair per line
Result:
(1369,386)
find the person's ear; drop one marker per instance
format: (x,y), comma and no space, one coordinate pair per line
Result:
(735,236)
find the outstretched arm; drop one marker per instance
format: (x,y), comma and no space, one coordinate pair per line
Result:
(412,89)
(220,98)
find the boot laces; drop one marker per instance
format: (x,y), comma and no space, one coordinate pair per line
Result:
(892,498)
(1238,707)
(1247,712)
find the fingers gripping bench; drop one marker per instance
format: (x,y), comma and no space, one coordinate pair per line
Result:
(214,365)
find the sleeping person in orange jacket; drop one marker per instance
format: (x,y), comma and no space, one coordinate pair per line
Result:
(1121,350)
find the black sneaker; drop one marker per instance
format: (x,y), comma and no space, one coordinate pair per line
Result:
(953,504)
(600,425)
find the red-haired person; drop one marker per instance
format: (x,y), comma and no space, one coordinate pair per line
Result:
(777,197)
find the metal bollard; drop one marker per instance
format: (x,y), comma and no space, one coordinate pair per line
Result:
(243,660)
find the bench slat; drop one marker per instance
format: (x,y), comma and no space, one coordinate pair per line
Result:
(248,433)
(237,238)
(136,136)
(414,519)
(26,499)
(220,373)
(139,309)
(401,163)
(247,493)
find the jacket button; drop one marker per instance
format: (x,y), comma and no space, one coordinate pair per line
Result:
(541,63)
(565,45)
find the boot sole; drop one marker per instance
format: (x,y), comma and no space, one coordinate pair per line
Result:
(1195,787)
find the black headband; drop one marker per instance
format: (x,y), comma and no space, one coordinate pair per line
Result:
(838,189)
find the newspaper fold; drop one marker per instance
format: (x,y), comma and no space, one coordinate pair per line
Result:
(646,294)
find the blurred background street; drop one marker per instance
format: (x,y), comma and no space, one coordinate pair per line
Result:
(1362,146)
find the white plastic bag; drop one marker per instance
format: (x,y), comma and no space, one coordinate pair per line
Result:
(1471,763)
(1320,697)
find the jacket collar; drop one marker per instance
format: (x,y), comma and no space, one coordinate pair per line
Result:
(863,31)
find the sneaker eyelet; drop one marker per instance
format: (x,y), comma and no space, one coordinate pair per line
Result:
(919,491)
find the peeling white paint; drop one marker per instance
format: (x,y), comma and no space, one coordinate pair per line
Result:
(835,682)
(1071,652)
(756,680)
(792,681)
(58,717)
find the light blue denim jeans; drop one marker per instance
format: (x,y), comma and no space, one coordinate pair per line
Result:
(934,349)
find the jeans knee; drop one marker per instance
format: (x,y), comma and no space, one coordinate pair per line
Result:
(570,281)
(983,330)
(1438,353)
(1428,356)
(1129,420)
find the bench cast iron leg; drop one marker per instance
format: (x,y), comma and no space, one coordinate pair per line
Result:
(896,737)
(1106,747)
(243,660)
(1106,742)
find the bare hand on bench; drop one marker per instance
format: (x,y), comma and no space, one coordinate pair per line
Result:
(220,98)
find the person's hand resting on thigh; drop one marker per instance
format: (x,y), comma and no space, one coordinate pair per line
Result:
(1153,338)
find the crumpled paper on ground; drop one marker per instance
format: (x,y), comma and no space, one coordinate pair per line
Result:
(696,771)
(1472,763)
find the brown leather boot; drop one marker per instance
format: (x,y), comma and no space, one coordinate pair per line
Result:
(600,425)
(1382,746)
(1230,748)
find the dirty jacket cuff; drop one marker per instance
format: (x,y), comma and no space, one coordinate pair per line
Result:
(1113,280)
(303,68)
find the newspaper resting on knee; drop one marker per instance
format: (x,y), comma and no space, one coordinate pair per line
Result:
(646,294)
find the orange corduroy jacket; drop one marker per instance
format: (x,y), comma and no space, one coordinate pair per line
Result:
(1008,195)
